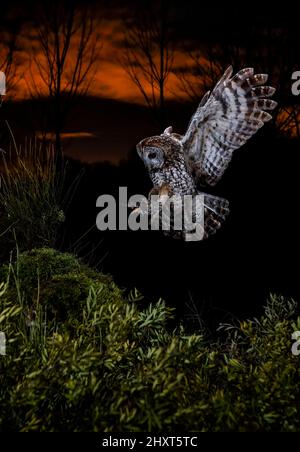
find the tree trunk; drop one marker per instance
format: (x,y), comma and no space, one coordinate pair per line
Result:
(162,66)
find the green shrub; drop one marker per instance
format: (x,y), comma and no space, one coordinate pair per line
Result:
(114,364)
(56,280)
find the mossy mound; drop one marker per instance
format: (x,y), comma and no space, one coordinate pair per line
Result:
(105,362)
(57,280)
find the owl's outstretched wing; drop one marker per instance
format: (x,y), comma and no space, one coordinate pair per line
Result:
(225,119)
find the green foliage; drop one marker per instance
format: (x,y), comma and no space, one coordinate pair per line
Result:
(31,200)
(56,280)
(114,364)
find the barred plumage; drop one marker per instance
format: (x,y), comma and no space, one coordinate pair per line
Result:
(225,119)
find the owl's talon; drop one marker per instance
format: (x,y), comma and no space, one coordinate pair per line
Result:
(139,211)
(178,164)
(136,210)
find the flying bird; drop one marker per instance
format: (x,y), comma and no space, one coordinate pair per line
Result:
(225,119)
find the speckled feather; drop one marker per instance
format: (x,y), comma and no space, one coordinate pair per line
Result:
(225,119)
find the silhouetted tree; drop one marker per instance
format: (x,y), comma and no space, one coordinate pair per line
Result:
(65,58)
(12,18)
(148,57)
(267,47)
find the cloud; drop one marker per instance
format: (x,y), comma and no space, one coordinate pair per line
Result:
(66,135)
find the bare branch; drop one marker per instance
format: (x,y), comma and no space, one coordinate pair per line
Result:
(148,57)
(66,56)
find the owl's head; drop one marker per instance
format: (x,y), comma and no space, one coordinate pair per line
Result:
(160,151)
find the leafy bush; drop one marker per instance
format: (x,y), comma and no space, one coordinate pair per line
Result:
(114,364)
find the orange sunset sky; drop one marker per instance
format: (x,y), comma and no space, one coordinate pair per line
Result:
(110,80)
(92,126)
(113,119)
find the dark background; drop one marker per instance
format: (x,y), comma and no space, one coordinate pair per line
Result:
(256,252)
(231,273)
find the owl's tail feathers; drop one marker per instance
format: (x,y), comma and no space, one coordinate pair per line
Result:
(215,212)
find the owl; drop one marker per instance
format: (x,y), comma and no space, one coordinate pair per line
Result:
(225,119)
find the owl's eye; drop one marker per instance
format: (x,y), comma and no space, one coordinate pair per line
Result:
(152,155)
